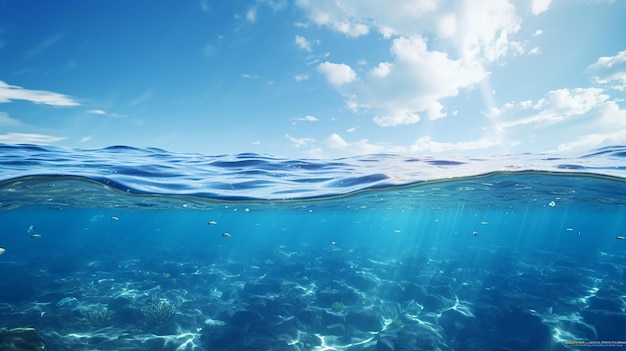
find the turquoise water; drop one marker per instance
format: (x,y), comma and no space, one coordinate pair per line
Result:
(142,249)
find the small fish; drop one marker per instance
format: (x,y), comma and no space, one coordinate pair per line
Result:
(552,204)
(226,235)
(334,243)
(2,251)
(30,229)
(115,218)
(620,237)
(569,229)
(211,222)
(475,233)
(35,236)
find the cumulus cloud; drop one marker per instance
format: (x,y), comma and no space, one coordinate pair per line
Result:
(337,74)
(354,18)
(476,29)
(302,43)
(9,93)
(381,70)
(326,14)
(540,6)
(97,112)
(28,138)
(414,83)
(397,93)
(360,147)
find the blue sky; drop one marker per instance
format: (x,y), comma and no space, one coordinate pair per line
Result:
(315,78)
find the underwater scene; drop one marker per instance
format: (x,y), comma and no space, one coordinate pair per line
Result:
(124,248)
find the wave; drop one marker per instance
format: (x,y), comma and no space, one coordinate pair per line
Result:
(249,176)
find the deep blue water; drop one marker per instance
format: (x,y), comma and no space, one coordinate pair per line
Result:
(141,249)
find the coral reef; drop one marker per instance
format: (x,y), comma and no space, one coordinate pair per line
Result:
(158,312)
(100,317)
(21,339)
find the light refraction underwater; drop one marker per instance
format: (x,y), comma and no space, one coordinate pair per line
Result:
(124,248)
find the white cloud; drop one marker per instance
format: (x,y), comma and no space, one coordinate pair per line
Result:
(589,141)
(308,118)
(336,141)
(469,35)
(557,106)
(302,43)
(301,77)
(476,29)
(485,27)
(9,93)
(104,113)
(328,14)
(300,141)
(396,119)
(397,93)
(563,120)
(251,14)
(426,144)
(28,138)
(7,121)
(610,61)
(249,76)
(340,147)
(610,70)
(354,18)
(85,139)
(381,70)
(537,33)
(446,26)
(360,147)
(97,112)
(540,6)
(337,74)
(274,5)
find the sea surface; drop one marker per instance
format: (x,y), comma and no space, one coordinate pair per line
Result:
(124,248)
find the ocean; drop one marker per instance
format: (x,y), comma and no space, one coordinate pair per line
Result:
(124,248)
